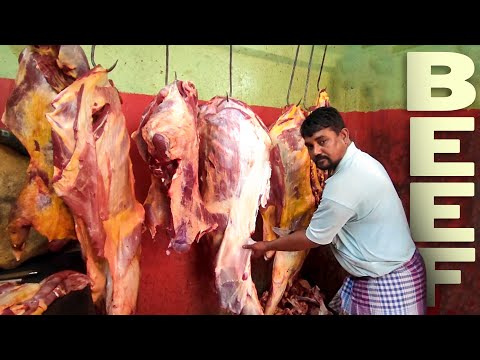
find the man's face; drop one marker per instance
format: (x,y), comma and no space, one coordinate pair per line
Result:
(326,148)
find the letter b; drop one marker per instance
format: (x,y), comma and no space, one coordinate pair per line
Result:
(420,81)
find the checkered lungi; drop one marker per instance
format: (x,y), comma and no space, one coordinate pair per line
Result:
(401,292)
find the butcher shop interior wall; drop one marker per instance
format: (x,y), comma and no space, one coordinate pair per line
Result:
(366,83)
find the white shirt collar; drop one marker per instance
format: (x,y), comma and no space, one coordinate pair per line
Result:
(351,150)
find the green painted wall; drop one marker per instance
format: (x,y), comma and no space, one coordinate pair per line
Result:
(368,78)
(358,78)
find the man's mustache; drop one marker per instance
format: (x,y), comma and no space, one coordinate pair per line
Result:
(321,157)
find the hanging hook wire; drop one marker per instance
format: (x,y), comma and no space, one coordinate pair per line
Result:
(92,58)
(321,68)
(308,76)
(166,66)
(291,76)
(230,69)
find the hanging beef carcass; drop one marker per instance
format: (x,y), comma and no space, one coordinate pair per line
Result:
(167,140)
(234,180)
(93,174)
(296,186)
(43,72)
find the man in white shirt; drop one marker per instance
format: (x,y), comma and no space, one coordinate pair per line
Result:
(362,218)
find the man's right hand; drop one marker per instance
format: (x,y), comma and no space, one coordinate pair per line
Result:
(259,248)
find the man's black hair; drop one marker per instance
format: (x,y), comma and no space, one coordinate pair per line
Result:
(321,118)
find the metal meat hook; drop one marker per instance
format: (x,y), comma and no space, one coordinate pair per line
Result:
(92,58)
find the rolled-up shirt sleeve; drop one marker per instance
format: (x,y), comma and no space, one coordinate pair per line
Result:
(327,221)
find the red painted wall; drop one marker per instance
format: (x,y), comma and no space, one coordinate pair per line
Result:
(183,283)
(386,136)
